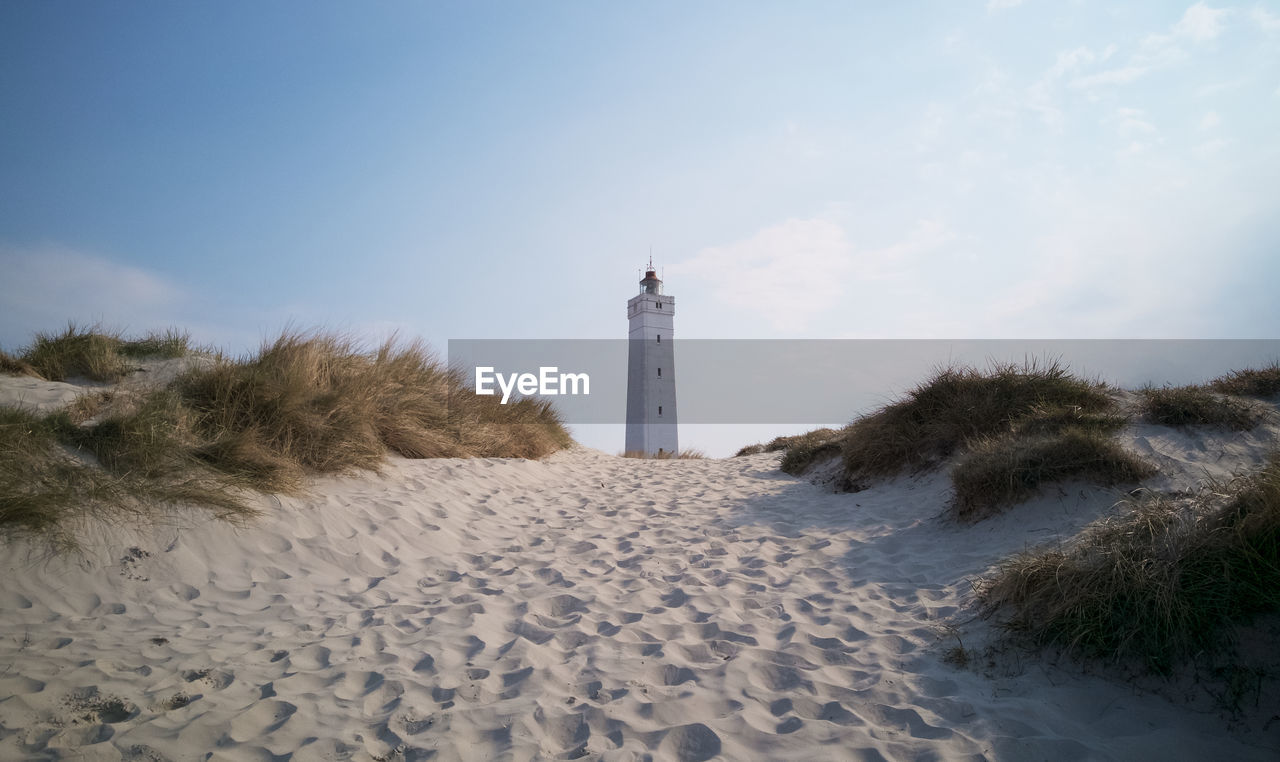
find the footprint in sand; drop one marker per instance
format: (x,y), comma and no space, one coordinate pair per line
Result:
(560,606)
(261,718)
(357,683)
(88,706)
(690,743)
(214,678)
(561,731)
(411,725)
(310,657)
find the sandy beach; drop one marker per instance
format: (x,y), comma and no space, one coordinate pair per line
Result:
(585,606)
(648,382)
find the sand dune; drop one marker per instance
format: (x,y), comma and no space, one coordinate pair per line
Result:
(587,606)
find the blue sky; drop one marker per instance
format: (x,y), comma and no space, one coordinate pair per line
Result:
(500,170)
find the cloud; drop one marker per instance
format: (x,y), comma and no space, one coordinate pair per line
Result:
(1001,5)
(1210,120)
(796,272)
(1070,60)
(902,259)
(45,286)
(1041,94)
(1130,123)
(932,127)
(1121,76)
(1265,21)
(1214,88)
(1131,126)
(1198,25)
(790,272)
(1211,147)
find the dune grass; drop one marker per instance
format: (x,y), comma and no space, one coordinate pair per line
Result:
(690,454)
(88,353)
(1001,471)
(1054,419)
(40,486)
(782,443)
(307,402)
(1161,583)
(799,451)
(1263,383)
(1009,429)
(149,437)
(311,402)
(166,344)
(1197,406)
(959,405)
(97,354)
(16,366)
(803,450)
(46,490)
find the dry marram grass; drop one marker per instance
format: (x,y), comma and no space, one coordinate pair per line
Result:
(1261,382)
(959,405)
(46,490)
(1002,471)
(799,451)
(1012,429)
(16,366)
(1198,406)
(97,354)
(1160,583)
(305,403)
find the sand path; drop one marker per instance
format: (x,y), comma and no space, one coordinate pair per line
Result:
(586,607)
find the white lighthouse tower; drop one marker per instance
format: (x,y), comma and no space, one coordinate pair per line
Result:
(651,369)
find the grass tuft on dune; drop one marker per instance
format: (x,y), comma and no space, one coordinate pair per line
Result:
(1197,406)
(1263,383)
(804,450)
(320,403)
(16,366)
(1005,431)
(307,402)
(799,451)
(959,405)
(1160,583)
(95,353)
(48,489)
(1002,471)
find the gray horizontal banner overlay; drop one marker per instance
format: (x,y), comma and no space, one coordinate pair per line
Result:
(815,381)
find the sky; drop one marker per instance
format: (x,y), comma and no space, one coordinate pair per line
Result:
(986,169)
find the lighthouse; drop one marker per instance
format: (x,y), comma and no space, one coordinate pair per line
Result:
(651,369)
